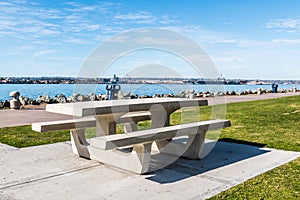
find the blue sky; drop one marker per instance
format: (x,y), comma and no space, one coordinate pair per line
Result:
(245,39)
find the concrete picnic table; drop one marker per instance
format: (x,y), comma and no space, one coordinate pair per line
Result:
(108,112)
(108,147)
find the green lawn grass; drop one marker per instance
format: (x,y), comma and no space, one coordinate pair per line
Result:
(279,183)
(270,123)
(274,123)
(23,136)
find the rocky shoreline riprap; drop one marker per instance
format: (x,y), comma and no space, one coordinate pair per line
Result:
(46,99)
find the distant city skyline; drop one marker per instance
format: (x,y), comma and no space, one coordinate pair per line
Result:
(245,39)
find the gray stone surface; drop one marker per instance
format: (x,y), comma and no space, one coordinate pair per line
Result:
(5,147)
(34,163)
(53,172)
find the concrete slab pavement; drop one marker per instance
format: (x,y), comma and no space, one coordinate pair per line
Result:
(5,147)
(53,172)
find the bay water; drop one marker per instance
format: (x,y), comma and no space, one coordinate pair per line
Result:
(35,90)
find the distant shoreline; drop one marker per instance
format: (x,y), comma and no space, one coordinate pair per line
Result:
(127,80)
(137,83)
(209,83)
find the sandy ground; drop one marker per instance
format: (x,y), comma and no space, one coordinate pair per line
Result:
(31,114)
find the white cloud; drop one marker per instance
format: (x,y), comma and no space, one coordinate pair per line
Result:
(7,24)
(134,16)
(64,58)
(78,8)
(78,41)
(32,22)
(35,21)
(73,18)
(6,33)
(227,59)
(88,8)
(5,4)
(47,32)
(240,43)
(148,21)
(43,53)
(101,7)
(93,27)
(281,24)
(225,41)
(18,50)
(166,20)
(286,41)
(47,14)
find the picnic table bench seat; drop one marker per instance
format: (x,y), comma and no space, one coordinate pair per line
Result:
(108,148)
(142,142)
(86,122)
(77,127)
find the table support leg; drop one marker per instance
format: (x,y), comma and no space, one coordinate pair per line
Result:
(160,118)
(195,146)
(137,161)
(191,149)
(79,143)
(143,152)
(130,127)
(106,124)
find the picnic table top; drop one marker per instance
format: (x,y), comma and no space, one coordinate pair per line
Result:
(91,108)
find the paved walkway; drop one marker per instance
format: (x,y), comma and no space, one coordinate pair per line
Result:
(10,118)
(53,172)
